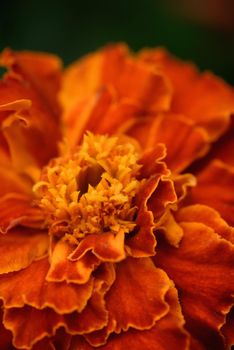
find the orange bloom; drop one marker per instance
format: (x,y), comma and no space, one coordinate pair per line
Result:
(117,204)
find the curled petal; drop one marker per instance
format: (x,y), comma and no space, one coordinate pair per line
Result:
(20,247)
(162,129)
(167,333)
(203,98)
(14,128)
(33,130)
(138,282)
(162,198)
(207,216)
(95,316)
(99,113)
(30,325)
(17,289)
(114,67)
(105,246)
(17,209)
(151,162)
(107,115)
(133,80)
(42,70)
(170,228)
(198,268)
(215,188)
(80,80)
(62,269)
(142,242)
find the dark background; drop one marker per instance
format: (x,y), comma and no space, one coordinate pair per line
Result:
(201,30)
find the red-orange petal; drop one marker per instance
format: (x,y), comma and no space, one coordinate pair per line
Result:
(95,316)
(17,209)
(152,161)
(162,128)
(168,333)
(215,188)
(106,246)
(43,70)
(204,98)
(138,283)
(115,68)
(142,242)
(17,289)
(134,80)
(63,269)
(37,136)
(208,216)
(99,113)
(198,268)
(20,247)
(29,325)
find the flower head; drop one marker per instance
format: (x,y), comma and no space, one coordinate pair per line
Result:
(116,203)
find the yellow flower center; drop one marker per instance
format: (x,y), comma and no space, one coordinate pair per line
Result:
(92,190)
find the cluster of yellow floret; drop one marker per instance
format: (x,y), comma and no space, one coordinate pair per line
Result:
(91,190)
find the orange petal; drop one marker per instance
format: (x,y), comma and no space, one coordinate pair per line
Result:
(142,242)
(95,316)
(99,113)
(14,129)
(162,129)
(198,268)
(43,70)
(134,80)
(209,217)
(115,68)
(106,246)
(168,333)
(137,283)
(215,188)
(152,161)
(170,228)
(38,135)
(30,325)
(80,80)
(17,289)
(17,209)
(204,98)
(62,269)
(162,198)
(20,247)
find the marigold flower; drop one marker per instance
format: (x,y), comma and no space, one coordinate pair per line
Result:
(117,203)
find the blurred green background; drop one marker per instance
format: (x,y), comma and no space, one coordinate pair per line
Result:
(72,28)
